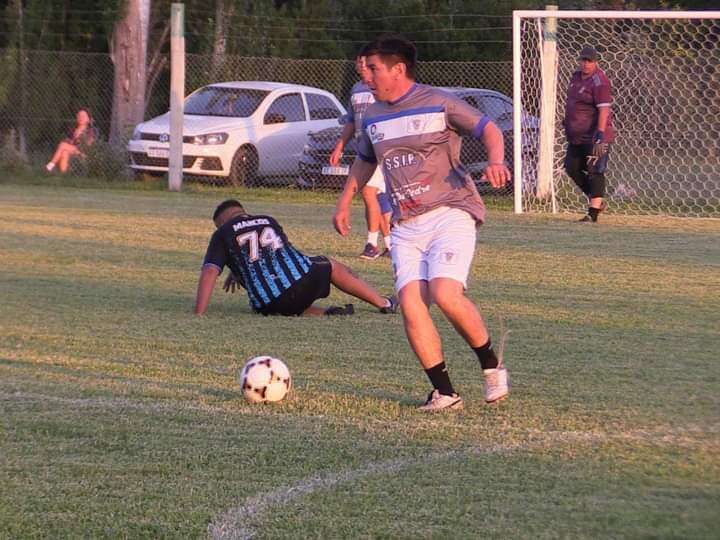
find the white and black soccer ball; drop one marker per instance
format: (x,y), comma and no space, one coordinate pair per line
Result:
(264,379)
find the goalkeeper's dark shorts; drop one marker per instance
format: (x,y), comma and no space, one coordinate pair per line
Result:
(301,295)
(580,156)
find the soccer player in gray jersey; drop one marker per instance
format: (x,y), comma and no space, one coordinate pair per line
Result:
(413,132)
(377,203)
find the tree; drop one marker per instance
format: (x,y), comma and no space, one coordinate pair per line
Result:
(128,51)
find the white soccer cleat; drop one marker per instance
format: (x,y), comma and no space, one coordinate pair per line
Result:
(497,384)
(440,402)
(50,166)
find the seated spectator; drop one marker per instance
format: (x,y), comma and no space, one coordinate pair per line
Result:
(82,136)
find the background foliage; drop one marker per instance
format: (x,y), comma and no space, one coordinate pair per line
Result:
(443,29)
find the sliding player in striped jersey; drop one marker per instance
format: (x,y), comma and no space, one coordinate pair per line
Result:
(279,278)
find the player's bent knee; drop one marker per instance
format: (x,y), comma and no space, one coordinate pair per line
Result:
(446,293)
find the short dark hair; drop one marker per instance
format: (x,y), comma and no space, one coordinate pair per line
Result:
(393,49)
(362,51)
(230,203)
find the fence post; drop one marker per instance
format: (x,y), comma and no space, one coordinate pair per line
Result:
(177,95)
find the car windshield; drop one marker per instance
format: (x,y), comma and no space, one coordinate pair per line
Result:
(219,101)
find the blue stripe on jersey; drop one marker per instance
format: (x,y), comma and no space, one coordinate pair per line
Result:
(304,261)
(269,278)
(280,271)
(401,114)
(249,288)
(290,263)
(480,128)
(255,280)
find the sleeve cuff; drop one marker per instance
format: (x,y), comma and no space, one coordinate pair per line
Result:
(480,128)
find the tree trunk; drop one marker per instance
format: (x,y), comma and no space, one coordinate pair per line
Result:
(129,55)
(222,22)
(22,140)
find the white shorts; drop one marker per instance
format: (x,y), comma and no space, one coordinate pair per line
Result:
(439,243)
(377,180)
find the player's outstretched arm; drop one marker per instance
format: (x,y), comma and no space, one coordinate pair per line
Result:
(496,172)
(360,173)
(206,284)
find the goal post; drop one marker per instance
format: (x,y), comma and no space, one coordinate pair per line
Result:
(664,67)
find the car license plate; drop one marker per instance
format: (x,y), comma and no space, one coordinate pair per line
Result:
(336,171)
(158,152)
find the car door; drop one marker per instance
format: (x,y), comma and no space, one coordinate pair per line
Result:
(284,132)
(323,111)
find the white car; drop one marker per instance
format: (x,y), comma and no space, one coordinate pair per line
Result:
(242,131)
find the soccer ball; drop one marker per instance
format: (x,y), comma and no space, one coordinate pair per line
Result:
(265,378)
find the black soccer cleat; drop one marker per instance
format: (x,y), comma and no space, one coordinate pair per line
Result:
(349,309)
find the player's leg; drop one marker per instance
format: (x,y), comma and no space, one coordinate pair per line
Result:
(450,257)
(596,181)
(385,214)
(373,213)
(449,295)
(419,326)
(349,282)
(372,217)
(409,253)
(425,342)
(575,167)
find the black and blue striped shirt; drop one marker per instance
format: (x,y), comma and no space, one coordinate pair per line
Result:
(258,253)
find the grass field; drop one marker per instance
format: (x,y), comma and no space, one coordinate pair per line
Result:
(120,414)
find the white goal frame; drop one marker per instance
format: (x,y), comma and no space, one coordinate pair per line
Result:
(547,125)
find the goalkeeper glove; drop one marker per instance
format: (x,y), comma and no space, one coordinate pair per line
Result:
(600,147)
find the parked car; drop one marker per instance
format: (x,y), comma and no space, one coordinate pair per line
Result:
(315,170)
(241,131)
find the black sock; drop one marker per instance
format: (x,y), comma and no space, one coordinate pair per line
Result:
(486,356)
(593,213)
(440,379)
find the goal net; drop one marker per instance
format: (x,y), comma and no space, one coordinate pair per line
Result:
(664,68)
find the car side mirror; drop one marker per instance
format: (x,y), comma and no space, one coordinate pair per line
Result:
(274,118)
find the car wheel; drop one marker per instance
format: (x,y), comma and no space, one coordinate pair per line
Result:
(306,181)
(244,167)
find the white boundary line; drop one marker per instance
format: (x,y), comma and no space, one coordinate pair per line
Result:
(236,523)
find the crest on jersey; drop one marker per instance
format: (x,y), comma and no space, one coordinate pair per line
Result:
(414,125)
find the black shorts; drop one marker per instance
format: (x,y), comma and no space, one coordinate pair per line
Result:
(313,285)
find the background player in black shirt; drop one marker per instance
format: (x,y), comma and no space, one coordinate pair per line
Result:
(279,279)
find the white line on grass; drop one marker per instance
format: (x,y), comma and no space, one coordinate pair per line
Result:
(236,523)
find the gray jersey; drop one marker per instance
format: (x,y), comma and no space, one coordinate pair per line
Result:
(416,141)
(360,99)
